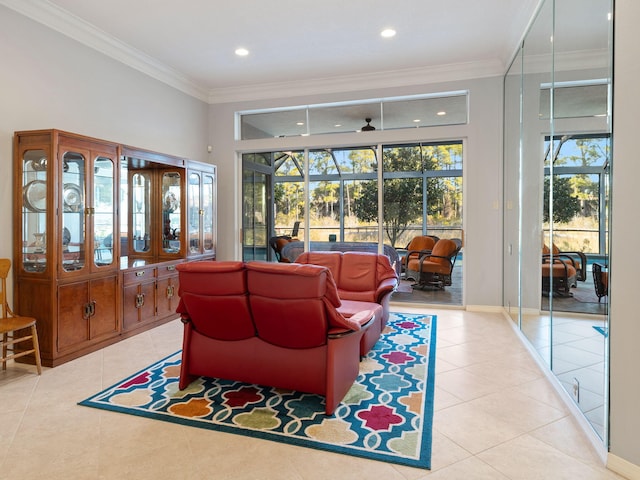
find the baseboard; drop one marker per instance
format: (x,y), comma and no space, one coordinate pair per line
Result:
(623,467)
(484,308)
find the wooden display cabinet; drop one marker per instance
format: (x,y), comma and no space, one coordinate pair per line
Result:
(202,196)
(99,230)
(65,261)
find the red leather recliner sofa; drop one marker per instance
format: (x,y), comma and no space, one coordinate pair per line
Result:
(269,324)
(364,280)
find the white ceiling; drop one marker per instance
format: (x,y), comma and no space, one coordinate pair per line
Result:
(191,43)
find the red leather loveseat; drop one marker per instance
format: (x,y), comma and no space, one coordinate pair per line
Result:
(365,280)
(269,324)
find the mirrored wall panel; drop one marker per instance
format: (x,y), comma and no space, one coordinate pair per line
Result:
(557,163)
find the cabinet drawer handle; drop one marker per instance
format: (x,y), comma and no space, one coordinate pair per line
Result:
(170,291)
(89,310)
(140,300)
(171,268)
(140,273)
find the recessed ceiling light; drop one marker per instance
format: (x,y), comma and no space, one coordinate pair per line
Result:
(441,113)
(338,125)
(300,124)
(417,120)
(242,52)
(388,32)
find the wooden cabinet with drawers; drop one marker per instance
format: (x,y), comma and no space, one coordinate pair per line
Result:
(150,295)
(98,230)
(87,313)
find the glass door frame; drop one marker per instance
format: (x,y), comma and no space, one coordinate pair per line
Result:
(262,250)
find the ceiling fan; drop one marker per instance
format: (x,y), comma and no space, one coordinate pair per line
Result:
(368,127)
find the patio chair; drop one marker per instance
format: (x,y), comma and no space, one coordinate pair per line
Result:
(559,274)
(278,243)
(578,260)
(600,280)
(419,245)
(434,269)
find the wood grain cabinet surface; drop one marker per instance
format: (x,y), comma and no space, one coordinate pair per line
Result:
(100,227)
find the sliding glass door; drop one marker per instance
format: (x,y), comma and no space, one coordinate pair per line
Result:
(256,211)
(349,195)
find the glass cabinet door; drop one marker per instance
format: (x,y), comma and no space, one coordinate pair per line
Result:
(195,209)
(171,212)
(140,209)
(103,211)
(208,206)
(34,210)
(73,212)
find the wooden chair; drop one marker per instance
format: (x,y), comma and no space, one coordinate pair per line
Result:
(14,328)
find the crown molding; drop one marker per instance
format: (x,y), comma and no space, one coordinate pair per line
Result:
(58,19)
(349,83)
(566,61)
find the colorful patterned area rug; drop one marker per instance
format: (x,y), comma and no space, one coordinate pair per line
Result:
(387,415)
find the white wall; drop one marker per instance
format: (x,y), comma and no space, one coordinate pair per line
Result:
(482,170)
(625,262)
(50,81)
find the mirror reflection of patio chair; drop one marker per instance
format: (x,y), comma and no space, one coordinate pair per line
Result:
(420,245)
(562,270)
(600,280)
(578,260)
(434,269)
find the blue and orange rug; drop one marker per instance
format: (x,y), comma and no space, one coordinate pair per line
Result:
(387,415)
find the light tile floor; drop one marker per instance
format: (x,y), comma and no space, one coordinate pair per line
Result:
(496,417)
(577,357)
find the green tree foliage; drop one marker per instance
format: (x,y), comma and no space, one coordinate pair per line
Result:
(566,205)
(403,197)
(578,152)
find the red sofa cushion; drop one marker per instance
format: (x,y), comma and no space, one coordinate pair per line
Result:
(294,305)
(214,296)
(231,320)
(357,274)
(331,260)
(234,283)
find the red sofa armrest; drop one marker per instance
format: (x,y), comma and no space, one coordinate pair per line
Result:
(363,319)
(387,286)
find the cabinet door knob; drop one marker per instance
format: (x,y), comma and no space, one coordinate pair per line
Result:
(139,273)
(140,300)
(86,311)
